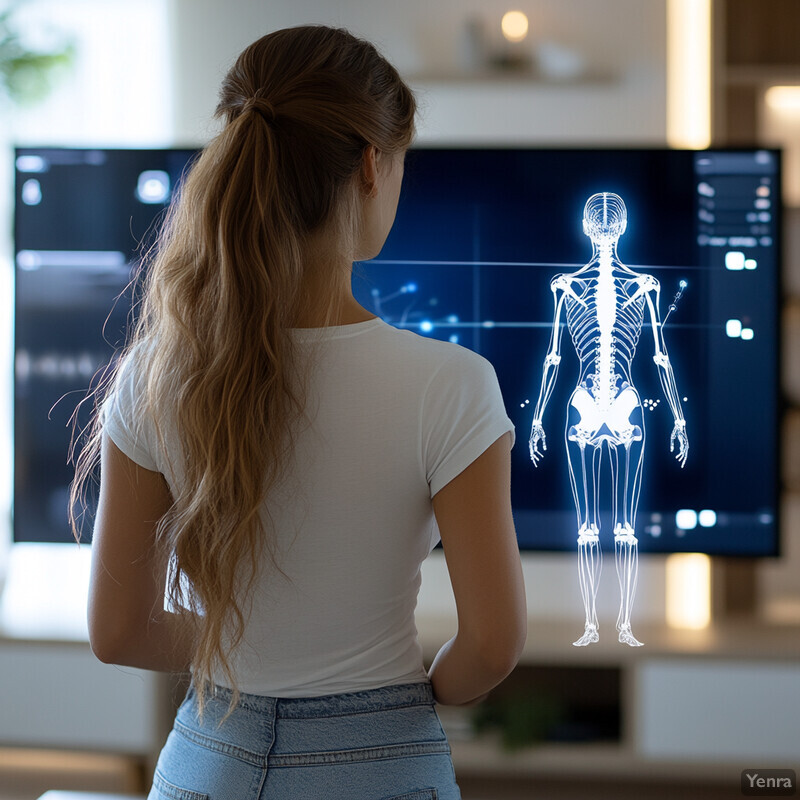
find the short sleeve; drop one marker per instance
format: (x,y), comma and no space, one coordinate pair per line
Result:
(118,415)
(463,414)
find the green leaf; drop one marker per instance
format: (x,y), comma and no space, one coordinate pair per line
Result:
(27,76)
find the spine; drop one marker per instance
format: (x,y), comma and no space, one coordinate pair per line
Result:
(605,362)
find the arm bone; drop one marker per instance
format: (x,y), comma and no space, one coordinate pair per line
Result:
(661,358)
(553,358)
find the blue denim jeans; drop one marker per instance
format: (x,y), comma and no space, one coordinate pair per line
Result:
(378,744)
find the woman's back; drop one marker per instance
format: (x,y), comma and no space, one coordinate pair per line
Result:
(392,417)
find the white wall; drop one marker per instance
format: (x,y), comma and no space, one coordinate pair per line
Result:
(623,41)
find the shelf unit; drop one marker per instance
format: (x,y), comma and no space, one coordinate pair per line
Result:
(692,705)
(754,46)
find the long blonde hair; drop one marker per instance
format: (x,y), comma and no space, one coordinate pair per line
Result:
(223,282)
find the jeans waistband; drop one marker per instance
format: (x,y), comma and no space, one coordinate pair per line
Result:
(383,698)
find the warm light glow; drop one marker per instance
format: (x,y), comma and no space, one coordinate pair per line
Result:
(689,73)
(688,579)
(515,26)
(784,99)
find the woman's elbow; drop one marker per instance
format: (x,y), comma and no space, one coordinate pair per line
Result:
(104,650)
(107,640)
(501,652)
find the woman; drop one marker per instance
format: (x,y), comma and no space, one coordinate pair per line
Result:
(280,461)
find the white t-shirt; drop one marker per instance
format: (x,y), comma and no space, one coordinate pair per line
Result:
(395,417)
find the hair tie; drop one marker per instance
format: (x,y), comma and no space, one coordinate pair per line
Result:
(262,107)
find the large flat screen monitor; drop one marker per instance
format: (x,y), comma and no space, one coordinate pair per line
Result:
(479,237)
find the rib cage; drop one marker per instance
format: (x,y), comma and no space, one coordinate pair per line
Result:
(604,331)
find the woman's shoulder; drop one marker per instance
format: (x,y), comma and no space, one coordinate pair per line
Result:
(435,357)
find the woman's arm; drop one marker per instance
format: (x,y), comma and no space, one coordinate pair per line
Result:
(473,512)
(127,623)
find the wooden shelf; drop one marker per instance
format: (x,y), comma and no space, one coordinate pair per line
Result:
(760,75)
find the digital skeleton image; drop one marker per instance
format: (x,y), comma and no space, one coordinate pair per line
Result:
(605,303)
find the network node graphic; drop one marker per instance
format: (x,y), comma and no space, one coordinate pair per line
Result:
(604,304)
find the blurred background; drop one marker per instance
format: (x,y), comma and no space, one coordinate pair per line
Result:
(678,73)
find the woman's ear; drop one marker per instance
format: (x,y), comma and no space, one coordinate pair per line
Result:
(369,170)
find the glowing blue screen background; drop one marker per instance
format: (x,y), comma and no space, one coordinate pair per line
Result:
(477,238)
(478,235)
